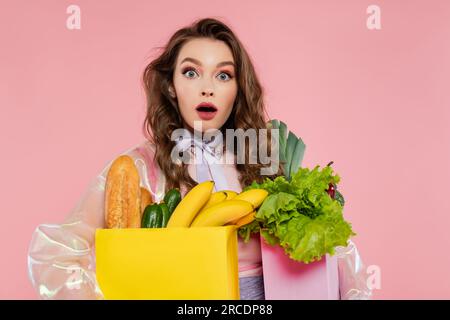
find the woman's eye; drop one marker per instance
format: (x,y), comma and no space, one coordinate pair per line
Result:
(190,73)
(224,76)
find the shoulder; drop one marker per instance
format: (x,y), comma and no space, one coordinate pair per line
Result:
(151,176)
(142,153)
(144,149)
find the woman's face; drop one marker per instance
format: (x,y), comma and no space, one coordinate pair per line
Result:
(205,73)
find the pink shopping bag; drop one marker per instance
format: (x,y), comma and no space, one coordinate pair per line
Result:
(287,279)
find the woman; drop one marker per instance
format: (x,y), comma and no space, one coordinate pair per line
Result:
(202,75)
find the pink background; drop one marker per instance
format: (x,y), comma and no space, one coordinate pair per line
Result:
(374,102)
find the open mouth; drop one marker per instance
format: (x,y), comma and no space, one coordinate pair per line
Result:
(206,111)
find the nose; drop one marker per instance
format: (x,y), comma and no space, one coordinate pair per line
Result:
(207,93)
(207,87)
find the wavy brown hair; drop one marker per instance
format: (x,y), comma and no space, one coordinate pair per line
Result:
(163,116)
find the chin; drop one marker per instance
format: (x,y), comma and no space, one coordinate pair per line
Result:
(207,125)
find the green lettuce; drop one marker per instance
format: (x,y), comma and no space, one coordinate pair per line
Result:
(300,216)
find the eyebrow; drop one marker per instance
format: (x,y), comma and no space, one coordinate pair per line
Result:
(220,64)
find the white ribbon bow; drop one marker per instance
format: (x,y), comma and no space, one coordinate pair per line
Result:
(207,157)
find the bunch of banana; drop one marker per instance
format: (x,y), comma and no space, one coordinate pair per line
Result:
(190,205)
(203,208)
(230,194)
(222,213)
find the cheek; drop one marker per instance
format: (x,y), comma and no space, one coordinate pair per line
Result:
(229,97)
(185,94)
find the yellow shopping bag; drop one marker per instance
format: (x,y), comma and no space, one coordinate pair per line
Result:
(168,263)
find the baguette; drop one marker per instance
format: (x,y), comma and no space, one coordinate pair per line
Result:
(146,199)
(123,195)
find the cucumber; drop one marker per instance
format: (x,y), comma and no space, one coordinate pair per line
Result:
(172,198)
(152,215)
(159,217)
(165,214)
